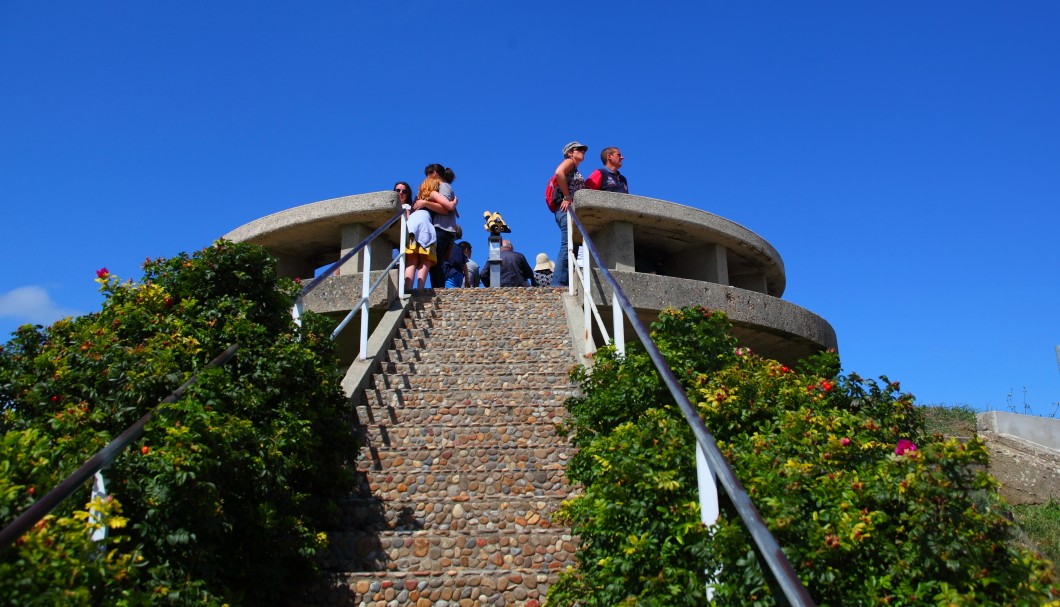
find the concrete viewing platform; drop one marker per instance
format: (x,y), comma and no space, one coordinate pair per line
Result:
(661,253)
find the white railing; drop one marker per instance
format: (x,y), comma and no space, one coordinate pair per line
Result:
(367,286)
(581,267)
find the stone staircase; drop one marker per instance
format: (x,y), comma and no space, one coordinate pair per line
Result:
(462,468)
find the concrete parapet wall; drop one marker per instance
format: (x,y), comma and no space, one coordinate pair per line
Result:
(1042,431)
(312,235)
(656,236)
(663,254)
(768,325)
(1024,455)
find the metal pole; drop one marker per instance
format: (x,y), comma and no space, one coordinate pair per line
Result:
(365,292)
(401,253)
(570,254)
(494,261)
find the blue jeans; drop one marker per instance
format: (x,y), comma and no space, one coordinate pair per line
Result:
(560,278)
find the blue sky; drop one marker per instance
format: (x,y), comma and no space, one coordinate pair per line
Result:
(903,157)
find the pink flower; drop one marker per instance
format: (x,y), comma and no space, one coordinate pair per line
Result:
(844,441)
(904,446)
(102,273)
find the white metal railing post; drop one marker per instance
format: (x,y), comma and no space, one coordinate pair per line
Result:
(366,289)
(709,508)
(587,301)
(296,311)
(618,326)
(570,255)
(99,490)
(401,253)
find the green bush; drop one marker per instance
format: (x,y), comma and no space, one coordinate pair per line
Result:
(227,490)
(869,508)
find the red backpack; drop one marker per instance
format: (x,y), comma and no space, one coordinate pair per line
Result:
(553,194)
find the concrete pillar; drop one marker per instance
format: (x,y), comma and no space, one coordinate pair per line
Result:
(755,281)
(292,267)
(352,235)
(709,263)
(615,243)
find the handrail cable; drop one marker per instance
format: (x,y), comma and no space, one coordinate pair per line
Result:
(778,570)
(102,459)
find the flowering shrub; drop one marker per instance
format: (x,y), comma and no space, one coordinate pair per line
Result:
(222,498)
(868,508)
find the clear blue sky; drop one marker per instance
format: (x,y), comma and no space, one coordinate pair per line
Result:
(903,157)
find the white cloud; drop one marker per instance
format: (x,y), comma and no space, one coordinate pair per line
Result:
(32,305)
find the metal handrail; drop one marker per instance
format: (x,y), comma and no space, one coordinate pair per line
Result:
(367,287)
(102,459)
(778,570)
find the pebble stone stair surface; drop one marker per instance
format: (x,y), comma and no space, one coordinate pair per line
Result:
(462,467)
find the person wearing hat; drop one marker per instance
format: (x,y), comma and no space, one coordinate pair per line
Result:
(543,270)
(569,181)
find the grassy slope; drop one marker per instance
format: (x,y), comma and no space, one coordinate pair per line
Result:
(1040,523)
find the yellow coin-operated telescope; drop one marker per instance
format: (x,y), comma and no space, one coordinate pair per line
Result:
(495,226)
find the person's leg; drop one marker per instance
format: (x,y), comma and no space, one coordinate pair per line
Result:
(422,271)
(411,260)
(444,242)
(560,278)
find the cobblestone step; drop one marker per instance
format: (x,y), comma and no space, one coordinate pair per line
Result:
(468,484)
(498,379)
(409,514)
(488,348)
(543,551)
(463,299)
(461,353)
(514,435)
(474,457)
(422,397)
(451,588)
(536,312)
(461,413)
(499,368)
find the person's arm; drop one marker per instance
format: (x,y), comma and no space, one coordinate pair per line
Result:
(437,203)
(561,180)
(596,180)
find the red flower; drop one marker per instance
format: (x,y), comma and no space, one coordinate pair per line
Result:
(904,446)
(55,399)
(826,385)
(102,273)
(844,441)
(145,449)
